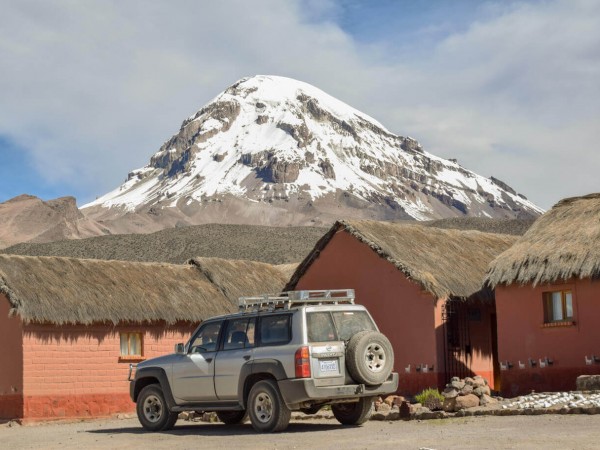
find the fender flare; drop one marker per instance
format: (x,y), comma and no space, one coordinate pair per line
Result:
(270,367)
(159,374)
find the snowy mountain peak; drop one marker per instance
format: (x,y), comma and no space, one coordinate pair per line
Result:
(269,146)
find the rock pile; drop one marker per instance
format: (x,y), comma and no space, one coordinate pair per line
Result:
(560,400)
(588,383)
(466,393)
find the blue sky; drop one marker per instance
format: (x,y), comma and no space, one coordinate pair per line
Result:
(91,89)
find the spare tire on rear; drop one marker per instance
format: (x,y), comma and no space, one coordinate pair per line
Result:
(369,358)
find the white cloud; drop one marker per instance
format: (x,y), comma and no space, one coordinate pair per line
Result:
(94,88)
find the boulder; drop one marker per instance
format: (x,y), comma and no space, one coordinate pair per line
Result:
(383,408)
(468,389)
(458,385)
(588,383)
(378,416)
(485,400)
(466,401)
(450,392)
(393,400)
(407,410)
(469,381)
(449,404)
(482,390)
(479,381)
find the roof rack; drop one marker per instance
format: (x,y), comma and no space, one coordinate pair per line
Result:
(286,300)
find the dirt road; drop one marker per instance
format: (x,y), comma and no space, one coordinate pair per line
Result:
(486,432)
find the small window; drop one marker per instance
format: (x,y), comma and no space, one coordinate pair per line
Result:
(240,334)
(275,330)
(131,345)
(207,338)
(558,306)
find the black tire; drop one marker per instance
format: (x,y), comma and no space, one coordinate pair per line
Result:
(152,410)
(353,413)
(268,412)
(369,358)
(232,417)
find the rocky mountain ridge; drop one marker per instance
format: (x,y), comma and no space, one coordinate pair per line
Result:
(275,151)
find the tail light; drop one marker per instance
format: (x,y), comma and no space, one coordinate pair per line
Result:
(302,359)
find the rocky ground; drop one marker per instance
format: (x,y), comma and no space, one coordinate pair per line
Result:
(275,245)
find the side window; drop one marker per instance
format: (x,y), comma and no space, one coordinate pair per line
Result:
(349,323)
(320,327)
(207,338)
(275,330)
(239,334)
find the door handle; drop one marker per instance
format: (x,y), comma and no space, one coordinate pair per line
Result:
(208,360)
(246,357)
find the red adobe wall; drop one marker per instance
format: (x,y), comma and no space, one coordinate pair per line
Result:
(75,371)
(11,363)
(522,336)
(481,339)
(401,309)
(480,361)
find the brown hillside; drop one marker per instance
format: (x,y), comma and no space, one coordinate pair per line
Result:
(275,245)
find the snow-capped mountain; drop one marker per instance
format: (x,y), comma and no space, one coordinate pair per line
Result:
(272,150)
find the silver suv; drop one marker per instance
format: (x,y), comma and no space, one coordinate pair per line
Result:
(296,351)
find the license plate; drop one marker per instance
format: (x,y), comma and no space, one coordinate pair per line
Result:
(329,365)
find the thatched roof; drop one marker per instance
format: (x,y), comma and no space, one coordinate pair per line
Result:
(446,263)
(79,291)
(562,244)
(287,269)
(237,278)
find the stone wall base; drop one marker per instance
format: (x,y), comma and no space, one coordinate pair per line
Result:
(48,407)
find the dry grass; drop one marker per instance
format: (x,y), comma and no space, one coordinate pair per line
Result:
(444,262)
(563,243)
(236,278)
(75,291)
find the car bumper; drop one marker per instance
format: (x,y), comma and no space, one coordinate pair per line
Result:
(297,391)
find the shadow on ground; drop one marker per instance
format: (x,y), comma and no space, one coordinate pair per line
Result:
(204,429)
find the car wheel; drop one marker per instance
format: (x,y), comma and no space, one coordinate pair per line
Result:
(232,417)
(152,410)
(355,413)
(369,358)
(268,412)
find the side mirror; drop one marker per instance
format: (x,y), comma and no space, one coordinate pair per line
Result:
(179,349)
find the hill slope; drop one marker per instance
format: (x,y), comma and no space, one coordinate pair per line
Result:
(275,245)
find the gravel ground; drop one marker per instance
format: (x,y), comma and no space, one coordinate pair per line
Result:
(486,432)
(275,245)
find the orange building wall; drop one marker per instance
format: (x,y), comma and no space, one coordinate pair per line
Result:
(74,371)
(522,336)
(481,339)
(11,363)
(480,361)
(401,309)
